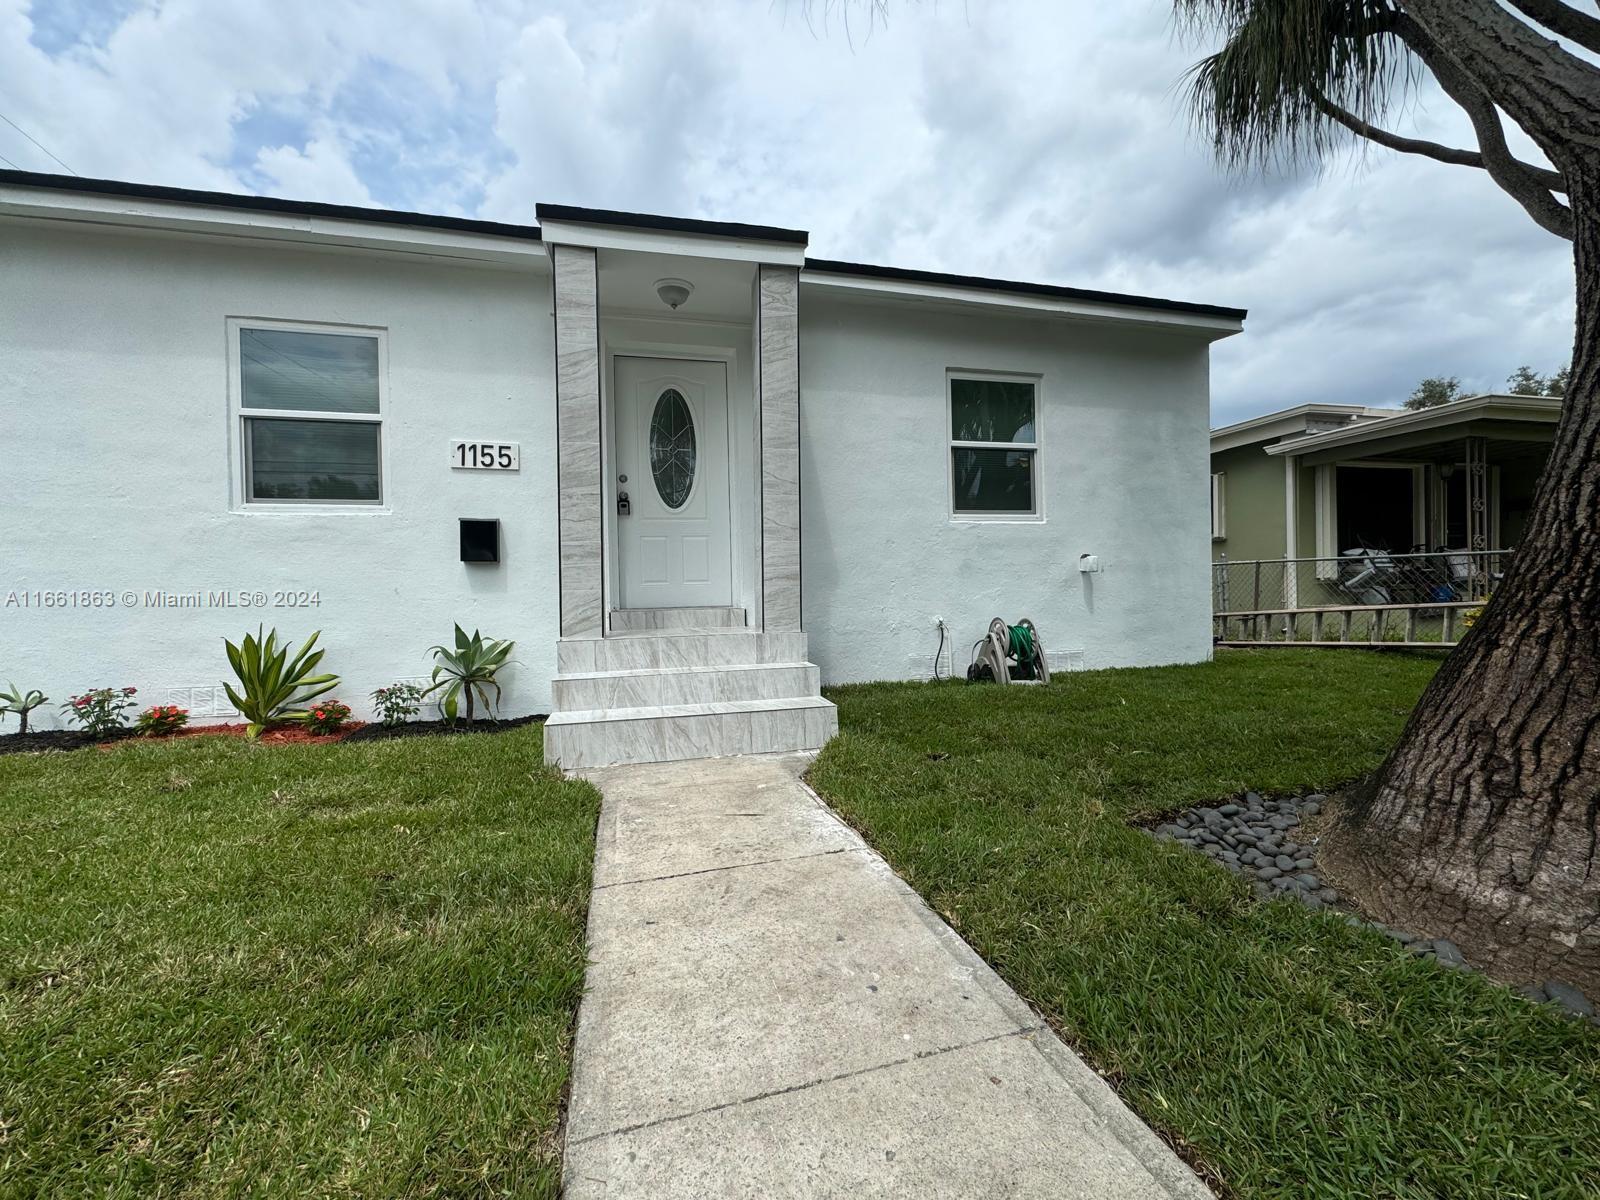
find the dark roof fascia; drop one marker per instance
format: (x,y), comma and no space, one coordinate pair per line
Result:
(1052,291)
(596,216)
(270,204)
(631,220)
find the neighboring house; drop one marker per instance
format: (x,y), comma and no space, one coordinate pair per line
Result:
(1319,480)
(678,461)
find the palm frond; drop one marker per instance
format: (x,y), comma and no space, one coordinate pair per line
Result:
(1261,98)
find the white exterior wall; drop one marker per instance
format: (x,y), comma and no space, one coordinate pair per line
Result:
(1122,467)
(117,461)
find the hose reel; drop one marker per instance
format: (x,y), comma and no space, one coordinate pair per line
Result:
(1009,654)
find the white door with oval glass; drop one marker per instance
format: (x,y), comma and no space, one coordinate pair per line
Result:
(670,484)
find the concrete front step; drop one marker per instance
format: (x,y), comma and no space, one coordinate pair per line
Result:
(684,685)
(643,651)
(637,620)
(665,733)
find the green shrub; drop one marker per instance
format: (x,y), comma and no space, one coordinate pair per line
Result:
(161,719)
(99,710)
(397,703)
(275,687)
(469,670)
(328,716)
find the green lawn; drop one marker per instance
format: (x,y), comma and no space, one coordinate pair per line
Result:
(1288,1053)
(346,970)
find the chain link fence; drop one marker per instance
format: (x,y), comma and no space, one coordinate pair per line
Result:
(1357,577)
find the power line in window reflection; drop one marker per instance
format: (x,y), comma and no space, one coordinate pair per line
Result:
(333,404)
(281,353)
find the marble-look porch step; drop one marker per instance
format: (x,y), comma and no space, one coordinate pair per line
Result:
(683,685)
(642,651)
(637,620)
(669,732)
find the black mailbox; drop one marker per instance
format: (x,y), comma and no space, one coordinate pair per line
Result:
(480,541)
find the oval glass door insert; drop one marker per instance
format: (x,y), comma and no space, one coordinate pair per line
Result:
(672,458)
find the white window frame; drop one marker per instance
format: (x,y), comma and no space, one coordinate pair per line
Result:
(238,415)
(1035,447)
(1327,511)
(1219,506)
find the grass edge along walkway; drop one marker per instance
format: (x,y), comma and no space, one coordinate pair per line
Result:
(344,970)
(1285,1052)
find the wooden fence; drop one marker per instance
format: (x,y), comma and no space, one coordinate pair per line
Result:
(1434,626)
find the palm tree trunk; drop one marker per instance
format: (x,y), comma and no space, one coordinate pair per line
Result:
(1482,824)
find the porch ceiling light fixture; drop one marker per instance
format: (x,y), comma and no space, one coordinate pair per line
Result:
(674,292)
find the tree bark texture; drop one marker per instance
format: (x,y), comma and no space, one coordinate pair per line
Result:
(1482,824)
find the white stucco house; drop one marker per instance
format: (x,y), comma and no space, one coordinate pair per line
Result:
(691,471)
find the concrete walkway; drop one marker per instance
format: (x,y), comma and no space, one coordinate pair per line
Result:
(772,1012)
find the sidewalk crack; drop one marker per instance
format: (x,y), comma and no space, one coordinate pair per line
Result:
(918,1056)
(600,887)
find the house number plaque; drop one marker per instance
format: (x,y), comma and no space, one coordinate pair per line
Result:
(485,456)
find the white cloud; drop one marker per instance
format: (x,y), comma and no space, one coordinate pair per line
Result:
(1029,139)
(321,171)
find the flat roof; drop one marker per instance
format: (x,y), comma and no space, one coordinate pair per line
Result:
(272,204)
(633,220)
(603,217)
(829,266)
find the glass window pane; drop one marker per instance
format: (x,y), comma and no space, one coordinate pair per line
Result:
(672,448)
(313,460)
(316,372)
(991,410)
(993,480)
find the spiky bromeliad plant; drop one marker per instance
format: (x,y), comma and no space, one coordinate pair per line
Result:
(469,670)
(21,703)
(276,688)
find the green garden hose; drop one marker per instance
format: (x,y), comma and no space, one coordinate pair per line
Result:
(1021,644)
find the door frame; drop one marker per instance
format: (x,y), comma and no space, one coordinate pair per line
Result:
(610,567)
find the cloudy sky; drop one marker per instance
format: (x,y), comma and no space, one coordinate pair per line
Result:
(1027,139)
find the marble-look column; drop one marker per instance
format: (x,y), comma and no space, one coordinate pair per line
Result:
(578,438)
(778,315)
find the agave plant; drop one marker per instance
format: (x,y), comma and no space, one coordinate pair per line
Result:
(469,671)
(276,688)
(21,703)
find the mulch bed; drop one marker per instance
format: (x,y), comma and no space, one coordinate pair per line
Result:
(381,733)
(37,741)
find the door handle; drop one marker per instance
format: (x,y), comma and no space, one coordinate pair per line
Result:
(624,505)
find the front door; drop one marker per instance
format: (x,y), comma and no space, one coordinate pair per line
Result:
(670,486)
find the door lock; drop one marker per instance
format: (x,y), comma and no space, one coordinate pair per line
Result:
(624,505)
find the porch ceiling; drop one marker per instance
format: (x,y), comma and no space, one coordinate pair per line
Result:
(723,290)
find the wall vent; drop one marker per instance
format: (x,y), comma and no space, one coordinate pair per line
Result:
(202,700)
(1064,660)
